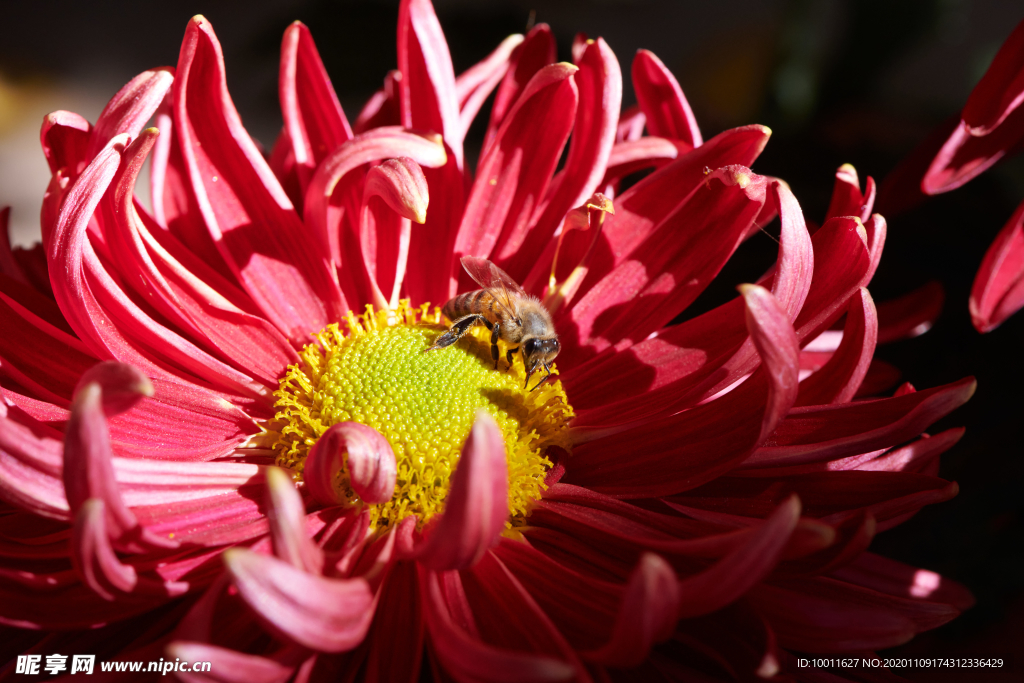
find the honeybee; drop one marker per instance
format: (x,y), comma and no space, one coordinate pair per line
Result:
(508,312)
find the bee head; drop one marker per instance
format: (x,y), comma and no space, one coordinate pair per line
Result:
(539,350)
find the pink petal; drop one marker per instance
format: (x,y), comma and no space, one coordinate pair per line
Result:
(331,615)
(132,106)
(247,213)
(30,466)
(93,555)
(247,341)
(88,471)
(427,96)
(477,504)
(96,308)
(998,290)
(840,378)
(468,658)
(1001,90)
(227,666)
(401,185)
(370,461)
(648,614)
(599,81)
(630,156)
(662,100)
(122,386)
(65,138)
(776,343)
(287,517)
(901,189)
(847,198)
(515,170)
(313,119)
(910,315)
(381,143)
(475,84)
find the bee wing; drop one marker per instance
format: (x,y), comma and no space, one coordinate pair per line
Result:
(500,284)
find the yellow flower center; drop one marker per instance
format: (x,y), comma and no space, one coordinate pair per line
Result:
(422,403)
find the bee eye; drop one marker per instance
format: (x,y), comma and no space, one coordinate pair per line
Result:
(530,346)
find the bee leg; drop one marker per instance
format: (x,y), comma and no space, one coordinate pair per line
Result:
(543,379)
(458,328)
(508,356)
(495,330)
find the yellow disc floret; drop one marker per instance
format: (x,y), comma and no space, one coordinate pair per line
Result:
(376,373)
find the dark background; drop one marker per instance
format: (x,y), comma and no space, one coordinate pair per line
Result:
(858,81)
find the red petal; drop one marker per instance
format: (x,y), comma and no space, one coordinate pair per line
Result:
(515,170)
(65,138)
(665,272)
(287,516)
(646,205)
(828,432)
(477,504)
(250,218)
(895,578)
(227,666)
(536,52)
(246,341)
(901,189)
(331,615)
(370,461)
(682,451)
(847,199)
(314,122)
(599,81)
(736,573)
(662,100)
(93,555)
(964,156)
(840,378)
(683,356)
(647,615)
(427,96)
(468,658)
(396,639)
(825,615)
(1000,90)
(998,290)
(382,107)
(910,315)
(9,266)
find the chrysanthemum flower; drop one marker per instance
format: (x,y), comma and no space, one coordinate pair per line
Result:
(221,440)
(990,127)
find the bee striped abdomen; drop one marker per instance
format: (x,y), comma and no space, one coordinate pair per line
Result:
(478,301)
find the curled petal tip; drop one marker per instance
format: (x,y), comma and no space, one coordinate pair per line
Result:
(370,462)
(121,385)
(402,185)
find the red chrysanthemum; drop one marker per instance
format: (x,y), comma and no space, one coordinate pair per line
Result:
(686,502)
(990,127)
